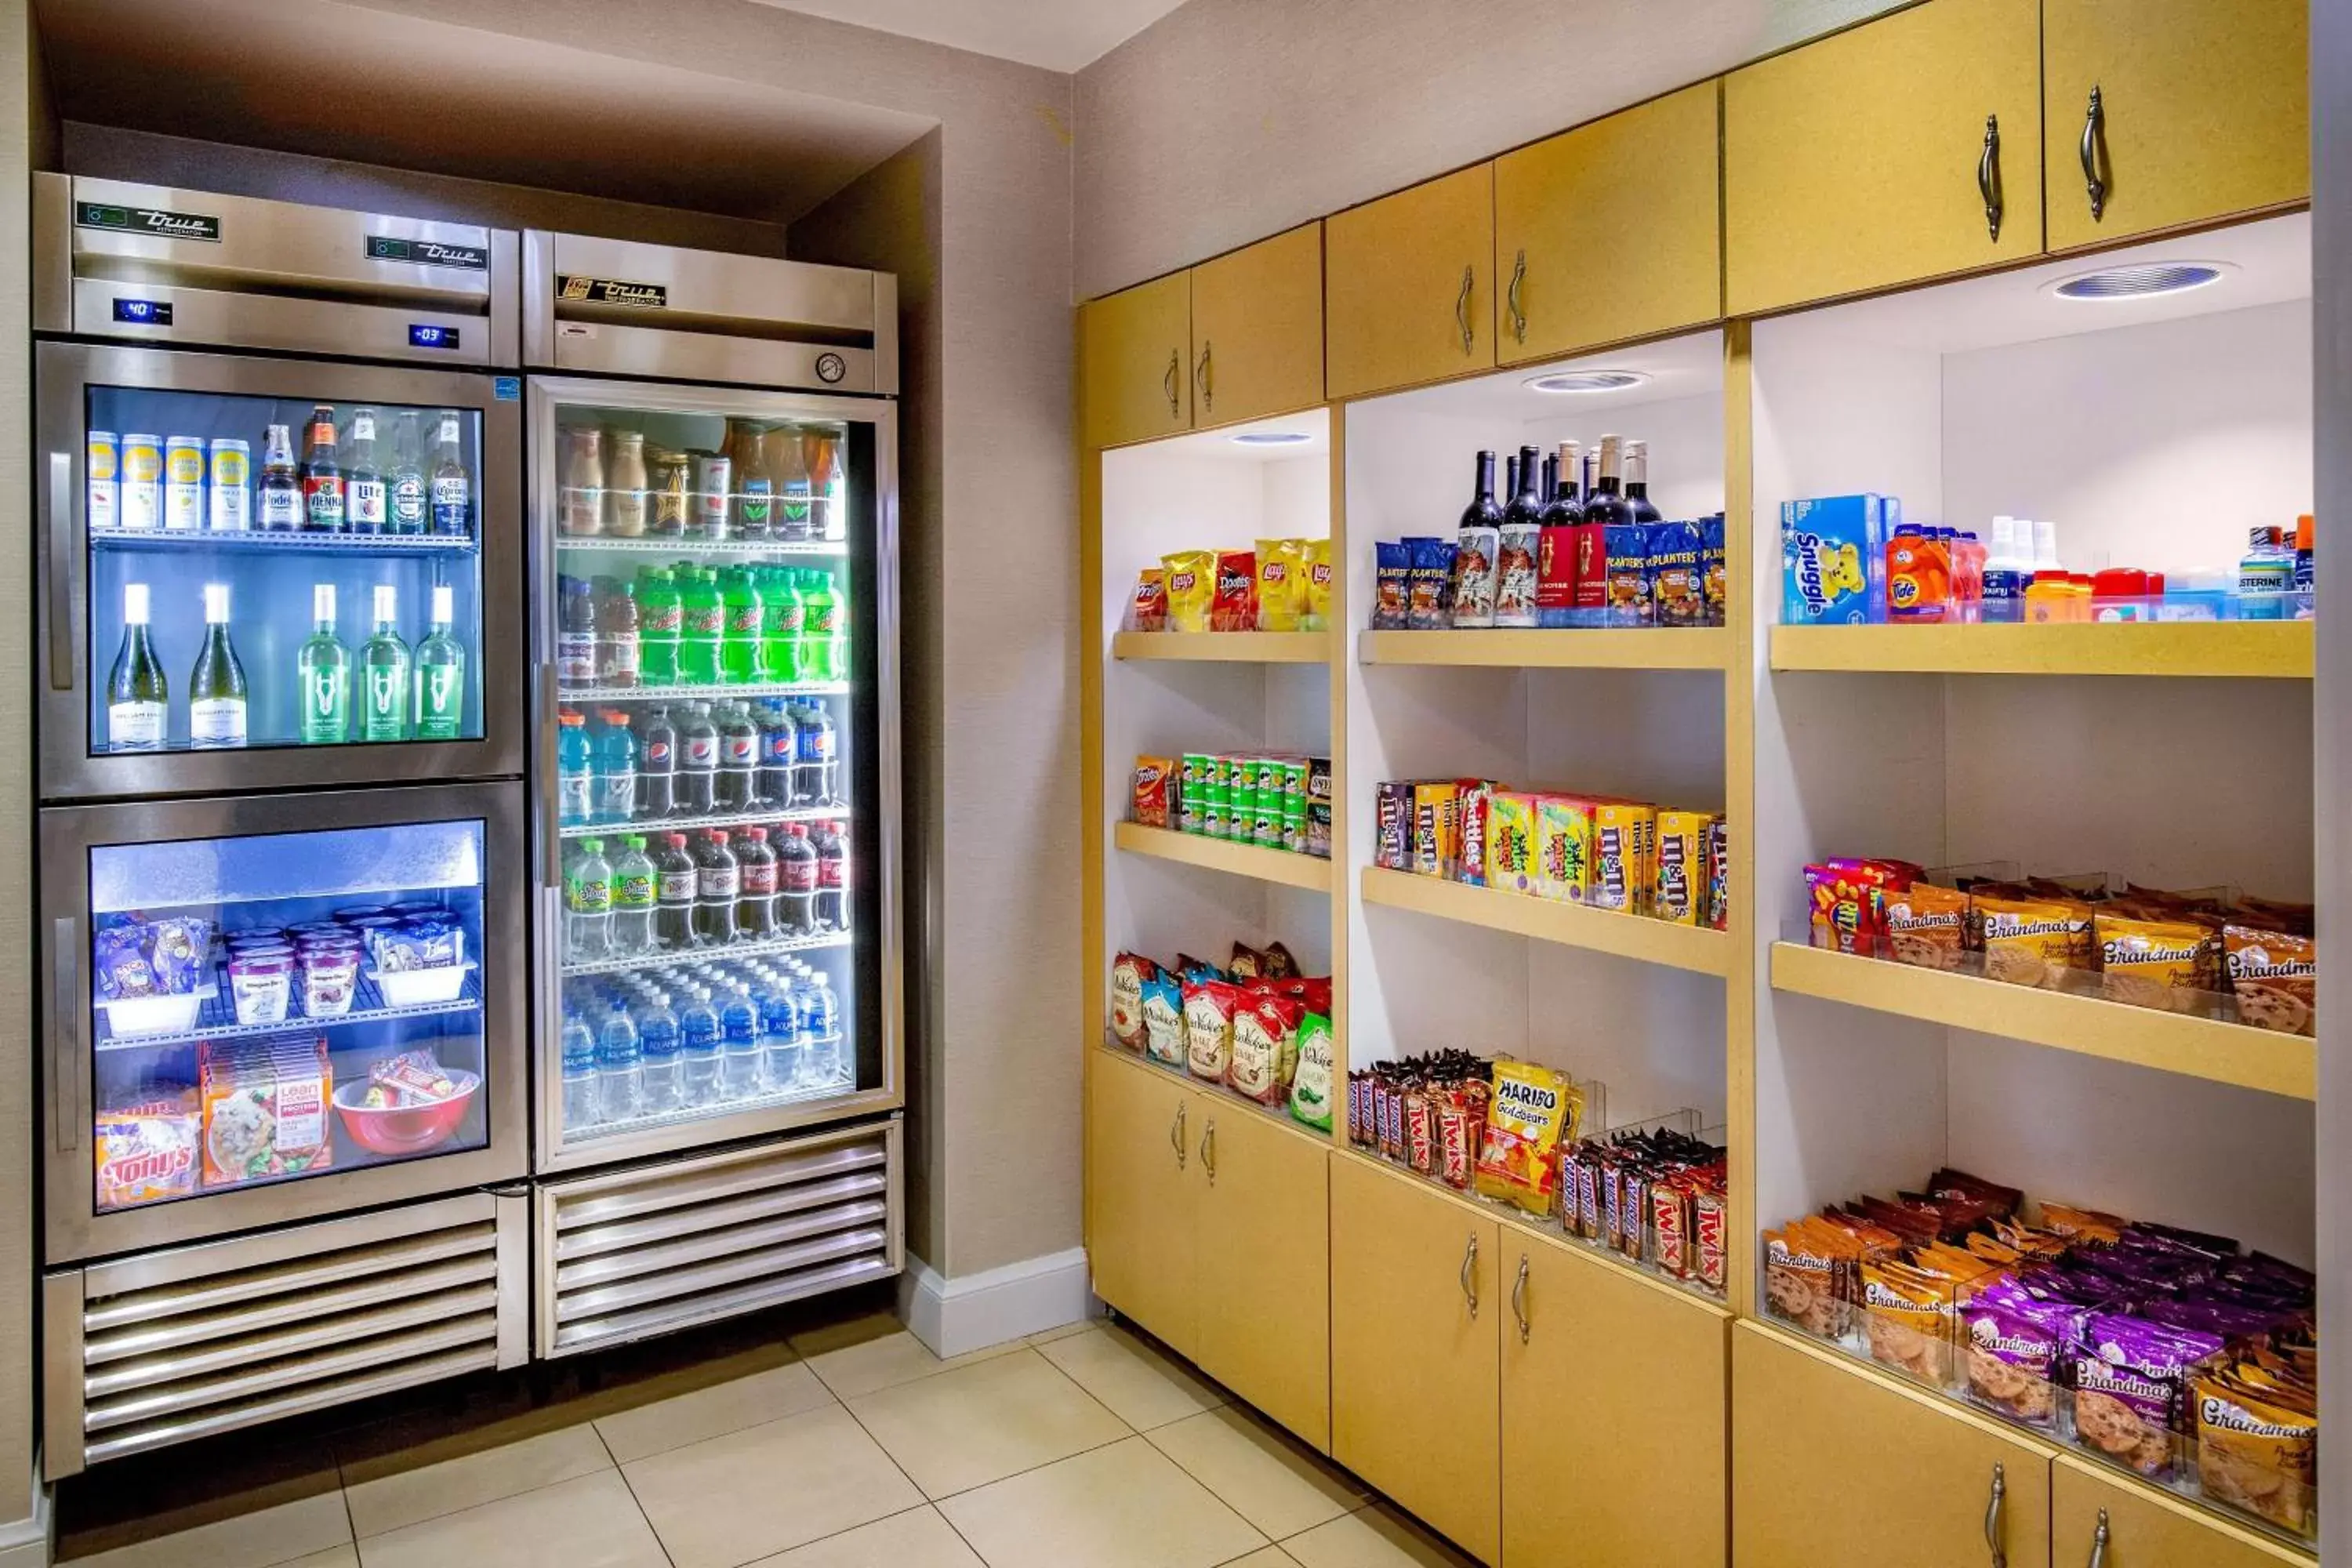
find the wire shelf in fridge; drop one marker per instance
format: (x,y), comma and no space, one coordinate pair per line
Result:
(710,691)
(259,542)
(729,953)
(217,1020)
(684,544)
(651,826)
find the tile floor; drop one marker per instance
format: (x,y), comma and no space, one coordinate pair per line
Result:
(847,1444)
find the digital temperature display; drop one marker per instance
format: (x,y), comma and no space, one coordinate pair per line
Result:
(143,313)
(424,335)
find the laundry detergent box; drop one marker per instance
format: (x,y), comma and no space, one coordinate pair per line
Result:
(1833,560)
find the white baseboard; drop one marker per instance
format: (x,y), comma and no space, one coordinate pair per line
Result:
(976,1311)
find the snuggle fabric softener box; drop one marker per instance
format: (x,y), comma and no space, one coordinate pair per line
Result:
(1833,561)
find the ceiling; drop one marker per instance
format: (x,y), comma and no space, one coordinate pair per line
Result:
(345,81)
(1060,34)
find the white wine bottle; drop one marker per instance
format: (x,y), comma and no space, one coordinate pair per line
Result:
(216,686)
(138,696)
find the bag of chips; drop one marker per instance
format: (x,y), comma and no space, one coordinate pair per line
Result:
(1281,583)
(1392,593)
(1208,1009)
(1154,786)
(1164,1037)
(1148,613)
(1191,588)
(1532,1112)
(1310,1086)
(1265,1047)
(1315,608)
(1130,973)
(1234,607)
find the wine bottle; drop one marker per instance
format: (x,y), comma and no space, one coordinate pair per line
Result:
(1637,482)
(1483,512)
(1525,508)
(216,686)
(325,666)
(1565,509)
(440,673)
(384,673)
(1606,504)
(138,696)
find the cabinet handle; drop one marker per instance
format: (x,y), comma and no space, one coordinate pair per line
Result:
(2099,1543)
(65,1030)
(1519,1298)
(1511,301)
(2094,127)
(1170,385)
(1202,382)
(1994,1508)
(1470,1274)
(59,567)
(1208,1151)
(1462,308)
(1176,1134)
(1988,177)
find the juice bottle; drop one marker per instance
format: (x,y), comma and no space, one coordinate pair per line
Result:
(740,648)
(620,648)
(575,638)
(659,616)
(701,629)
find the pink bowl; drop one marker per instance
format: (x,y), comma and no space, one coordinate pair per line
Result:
(404,1130)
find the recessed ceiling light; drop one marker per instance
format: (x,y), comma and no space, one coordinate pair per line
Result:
(1587,381)
(2140,282)
(1271,437)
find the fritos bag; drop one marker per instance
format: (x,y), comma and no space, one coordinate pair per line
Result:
(1150,611)
(1154,779)
(1532,1112)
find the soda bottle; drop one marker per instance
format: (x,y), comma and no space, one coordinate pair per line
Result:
(620,1063)
(615,765)
(832,842)
(738,1034)
(738,758)
(779,745)
(453,487)
(657,1048)
(281,487)
(702,626)
(322,476)
(780,1037)
(755,909)
(812,774)
(618,650)
(582,1105)
(697,1028)
(411,497)
(659,616)
(656,765)
(635,892)
(588,903)
(820,645)
(441,672)
(366,497)
(674,892)
(717,883)
(779,622)
(796,882)
(575,790)
(827,1063)
(697,761)
(575,638)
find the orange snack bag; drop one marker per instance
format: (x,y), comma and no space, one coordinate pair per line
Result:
(2274,975)
(1926,925)
(1149,611)
(2156,963)
(2034,941)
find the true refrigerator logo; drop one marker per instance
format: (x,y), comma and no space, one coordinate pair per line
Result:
(156,221)
(427,253)
(576,288)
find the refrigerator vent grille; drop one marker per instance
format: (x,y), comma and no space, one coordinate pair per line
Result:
(662,1246)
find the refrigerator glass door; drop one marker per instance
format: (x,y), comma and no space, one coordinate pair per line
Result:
(267,573)
(714,619)
(259,997)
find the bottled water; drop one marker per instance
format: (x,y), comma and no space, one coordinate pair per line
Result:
(823,1017)
(697,1026)
(619,1063)
(780,1036)
(580,1106)
(657,1033)
(739,1025)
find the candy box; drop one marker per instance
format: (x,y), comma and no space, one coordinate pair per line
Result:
(1833,561)
(1511,842)
(1392,826)
(1623,840)
(1436,826)
(1563,845)
(1471,808)
(1679,889)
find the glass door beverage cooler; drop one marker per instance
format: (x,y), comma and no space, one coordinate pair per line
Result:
(717,795)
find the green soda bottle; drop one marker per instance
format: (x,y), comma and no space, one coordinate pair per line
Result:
(740,648)
(702,627)
(779,632)
(660,614)
(821,629)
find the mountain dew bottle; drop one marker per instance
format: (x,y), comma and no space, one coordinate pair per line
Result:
(659,615)
(820,649)
(779,632)
(702,627)
(738,654)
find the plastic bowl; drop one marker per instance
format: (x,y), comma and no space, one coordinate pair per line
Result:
(408,1129)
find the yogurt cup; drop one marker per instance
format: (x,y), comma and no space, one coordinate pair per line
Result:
(261,987)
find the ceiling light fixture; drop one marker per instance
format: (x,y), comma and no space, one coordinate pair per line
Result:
(1271,437)
(1587,381)
(2143,281)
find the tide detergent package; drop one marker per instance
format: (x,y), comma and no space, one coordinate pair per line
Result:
(1833,560)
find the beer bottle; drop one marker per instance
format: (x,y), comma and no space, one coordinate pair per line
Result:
(322,476)
(365,495)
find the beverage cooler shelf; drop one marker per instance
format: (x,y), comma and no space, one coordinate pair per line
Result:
(216,1016)
(679,543)
(713,690)
(648,827)
(731,951)
(274,542)
(687,1115)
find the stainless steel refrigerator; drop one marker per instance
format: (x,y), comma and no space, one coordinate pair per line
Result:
(712,490)
(284,839)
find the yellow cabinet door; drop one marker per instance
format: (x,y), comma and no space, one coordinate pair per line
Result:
(1408,289)
(2203,111)
(1620,1385)
(1266,1265)
(1142,1210)
(1414,1311)
(1257,329)
(1812,1434)
(2145,1529)
(1862,161)
(1131,365)
(1651,172)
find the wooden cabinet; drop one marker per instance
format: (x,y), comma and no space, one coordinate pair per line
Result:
(2144,1529)
(1408,292)
(1414,1309)
(1132,364)
(1620,1385)
(1257,329)
(1811,1434)
(2204,110)
(1142,1242)
(1264,1253)
(1855,162)
(1651,175)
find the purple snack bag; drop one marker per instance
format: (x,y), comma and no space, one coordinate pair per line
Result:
(2129,1379)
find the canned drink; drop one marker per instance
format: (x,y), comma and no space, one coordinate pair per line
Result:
(184,484)
(714,478)
(143,482)
(232,473)
(673,479)
(104,474)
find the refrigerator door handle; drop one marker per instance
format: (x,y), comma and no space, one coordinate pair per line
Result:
(542,680)
(56,569)
(65,1033)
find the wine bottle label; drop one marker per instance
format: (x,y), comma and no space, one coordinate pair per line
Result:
(134,726)
(387,717)
(719,882)
(677,887)
(216,721)
(440,701)
(325,693)
(366,503)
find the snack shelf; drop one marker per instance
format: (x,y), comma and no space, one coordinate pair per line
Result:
(1274,1114)
(679,544)
(713,691)
(1699,949)
(1309,871)
(217,1020)
(691,824)
(1227,647)
(2281,650)
(257,542)
(2196,1047)
(732,950)
(1655,647)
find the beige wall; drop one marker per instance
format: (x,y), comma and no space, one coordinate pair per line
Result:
(1231,119)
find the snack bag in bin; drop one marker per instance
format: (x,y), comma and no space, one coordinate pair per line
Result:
(1531,1111)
